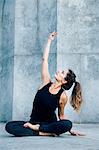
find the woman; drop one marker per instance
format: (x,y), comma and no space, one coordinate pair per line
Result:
(50,96)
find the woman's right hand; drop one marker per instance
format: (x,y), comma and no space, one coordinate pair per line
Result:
(52,36)
(75,133)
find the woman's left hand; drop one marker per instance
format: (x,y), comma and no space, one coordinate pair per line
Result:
(75,133)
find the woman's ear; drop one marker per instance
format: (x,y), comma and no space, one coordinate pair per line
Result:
(64,81)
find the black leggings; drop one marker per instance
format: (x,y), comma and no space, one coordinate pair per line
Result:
(17,129)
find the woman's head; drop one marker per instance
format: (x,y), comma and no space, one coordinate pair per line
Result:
(68,78)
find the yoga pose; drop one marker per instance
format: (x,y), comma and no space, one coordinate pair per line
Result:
(51,95)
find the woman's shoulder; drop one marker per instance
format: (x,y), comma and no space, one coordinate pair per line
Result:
(44,85)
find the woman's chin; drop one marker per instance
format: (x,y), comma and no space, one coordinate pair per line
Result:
(56,77)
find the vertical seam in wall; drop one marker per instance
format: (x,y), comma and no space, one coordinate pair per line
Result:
(37,37)
(57,40)
(80,65)
(2,16)
(3,6)
(13,62)
(80,118)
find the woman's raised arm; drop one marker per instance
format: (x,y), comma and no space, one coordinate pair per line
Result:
(45,71)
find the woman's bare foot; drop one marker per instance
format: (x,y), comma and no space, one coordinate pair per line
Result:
(34,127)
(47,134)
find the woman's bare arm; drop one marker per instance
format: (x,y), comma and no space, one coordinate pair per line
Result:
(62,103)
(45,71)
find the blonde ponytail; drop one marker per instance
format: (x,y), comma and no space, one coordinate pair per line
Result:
(76,97)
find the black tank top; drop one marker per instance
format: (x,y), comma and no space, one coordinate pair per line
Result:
(44,105)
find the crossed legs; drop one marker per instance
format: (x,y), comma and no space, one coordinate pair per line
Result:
(17,128)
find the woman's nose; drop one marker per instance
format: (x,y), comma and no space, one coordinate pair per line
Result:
(59,71)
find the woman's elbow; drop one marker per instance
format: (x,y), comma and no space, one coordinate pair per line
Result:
(62,117)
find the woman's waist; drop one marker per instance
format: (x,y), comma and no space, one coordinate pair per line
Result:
(41,116)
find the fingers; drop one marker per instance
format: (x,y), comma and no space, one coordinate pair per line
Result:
(73,133)
(81,134)
(54,33)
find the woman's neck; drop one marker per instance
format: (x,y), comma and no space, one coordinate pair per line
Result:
(56,85)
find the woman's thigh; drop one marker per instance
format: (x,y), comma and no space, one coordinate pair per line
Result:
(57,127)
(16,128)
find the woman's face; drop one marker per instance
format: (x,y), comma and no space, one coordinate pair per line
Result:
(60,75)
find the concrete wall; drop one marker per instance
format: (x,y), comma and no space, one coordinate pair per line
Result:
(34,20)
(24,28)
(78,49)
(6,58)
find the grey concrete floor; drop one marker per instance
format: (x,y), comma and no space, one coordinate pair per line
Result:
(64,142)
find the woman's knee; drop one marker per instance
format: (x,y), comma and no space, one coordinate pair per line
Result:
(9,126)
(67,124)
(70,124)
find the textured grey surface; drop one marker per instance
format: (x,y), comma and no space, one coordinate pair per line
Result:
(90,74)
(25,27)
(28,79)
(6,89)
(65,141)
(78,26)
(6,58)
(7,27)
(33,23)
(78,49)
